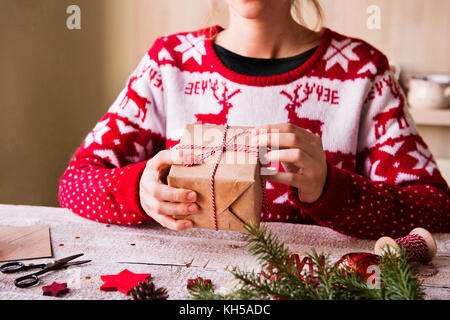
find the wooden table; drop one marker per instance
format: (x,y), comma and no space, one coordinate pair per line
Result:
(212,253)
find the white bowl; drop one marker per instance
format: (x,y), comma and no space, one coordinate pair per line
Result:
(430,92)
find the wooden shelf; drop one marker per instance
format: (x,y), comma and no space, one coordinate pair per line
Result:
(431,117)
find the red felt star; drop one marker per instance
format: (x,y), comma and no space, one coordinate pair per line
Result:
(55,289)
(123,281)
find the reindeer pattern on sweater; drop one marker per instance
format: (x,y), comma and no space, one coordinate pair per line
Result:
(382,179)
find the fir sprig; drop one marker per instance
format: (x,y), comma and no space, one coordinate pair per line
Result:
(265,245)
(399,277)
(397,274)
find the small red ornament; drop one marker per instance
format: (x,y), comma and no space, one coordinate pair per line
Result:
(123,281)
(358,262)
(55,289)
(192,283)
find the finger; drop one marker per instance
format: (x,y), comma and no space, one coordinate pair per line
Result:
(172,208)
(164,192)
(167,158)
(294,156)
(284,141)
(284,128)
(288,178)
(171,223)
(276,140)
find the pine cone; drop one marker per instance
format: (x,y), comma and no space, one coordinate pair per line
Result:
(147,291)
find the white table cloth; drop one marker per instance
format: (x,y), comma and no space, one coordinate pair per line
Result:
(212,253)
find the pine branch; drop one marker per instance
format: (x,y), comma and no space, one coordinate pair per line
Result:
(257,284)
(351,285)
(282,278)
(399,277)
(265,245)
(204,291)
(270,251)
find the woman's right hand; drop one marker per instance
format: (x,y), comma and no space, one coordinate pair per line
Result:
(161,201)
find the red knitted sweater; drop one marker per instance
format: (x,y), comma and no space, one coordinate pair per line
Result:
(382,179)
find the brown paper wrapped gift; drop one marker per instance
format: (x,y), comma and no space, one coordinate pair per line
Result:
(237,182)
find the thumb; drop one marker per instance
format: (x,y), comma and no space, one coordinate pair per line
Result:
(166,158)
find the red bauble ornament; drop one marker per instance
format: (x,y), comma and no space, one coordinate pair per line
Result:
(55,289)
(123,281)
(358,262)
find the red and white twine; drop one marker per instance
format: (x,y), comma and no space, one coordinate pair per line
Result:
(226,145)
(417,247)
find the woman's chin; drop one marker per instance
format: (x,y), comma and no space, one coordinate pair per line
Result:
(252,9)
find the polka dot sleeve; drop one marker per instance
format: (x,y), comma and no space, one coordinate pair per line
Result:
(102,194)
(356,206)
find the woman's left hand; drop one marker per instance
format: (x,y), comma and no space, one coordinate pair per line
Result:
(301,154)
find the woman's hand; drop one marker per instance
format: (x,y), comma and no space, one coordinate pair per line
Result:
(161,201)
(301,154)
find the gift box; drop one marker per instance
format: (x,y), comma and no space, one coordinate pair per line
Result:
(225,174)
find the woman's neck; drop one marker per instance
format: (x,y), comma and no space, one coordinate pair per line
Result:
(266,38)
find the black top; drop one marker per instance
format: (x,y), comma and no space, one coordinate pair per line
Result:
(258,66)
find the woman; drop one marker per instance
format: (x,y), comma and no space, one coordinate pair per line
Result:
(352,158)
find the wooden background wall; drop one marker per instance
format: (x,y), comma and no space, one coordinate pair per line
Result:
(413,32)
(55,84)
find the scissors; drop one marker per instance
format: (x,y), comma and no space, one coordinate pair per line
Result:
(32,279)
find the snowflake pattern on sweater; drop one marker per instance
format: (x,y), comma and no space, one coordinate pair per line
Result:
(382,179)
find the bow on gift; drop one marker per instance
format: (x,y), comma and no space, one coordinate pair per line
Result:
(226,145)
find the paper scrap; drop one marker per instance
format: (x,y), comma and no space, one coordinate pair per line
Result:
(23,243)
